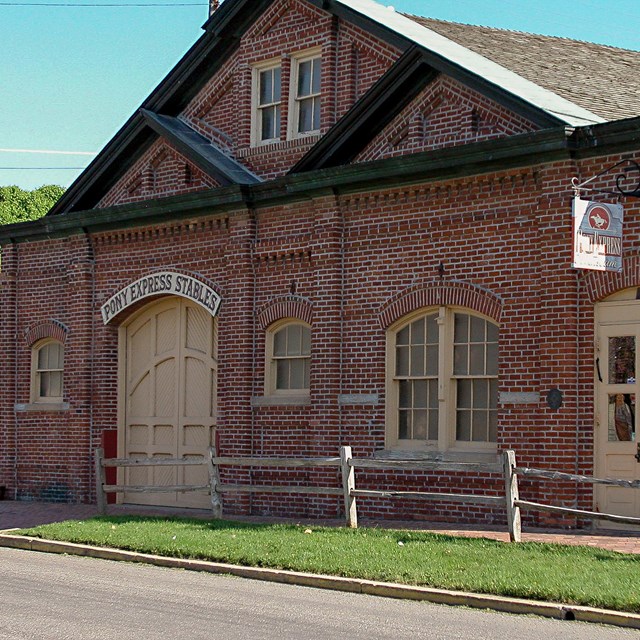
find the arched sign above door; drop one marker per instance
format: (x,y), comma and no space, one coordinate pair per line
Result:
(167,283)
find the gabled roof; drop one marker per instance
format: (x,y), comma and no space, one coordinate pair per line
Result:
(600,78)
(458,53)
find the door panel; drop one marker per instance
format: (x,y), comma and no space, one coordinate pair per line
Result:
(618,342)
(169,402)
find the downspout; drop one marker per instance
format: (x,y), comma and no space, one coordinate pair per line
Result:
(577,446)
(254,351)
(15,376)
(341,357)
(92,257)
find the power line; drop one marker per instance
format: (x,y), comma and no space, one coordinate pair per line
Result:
(50,152)
(41,168)
(103,4)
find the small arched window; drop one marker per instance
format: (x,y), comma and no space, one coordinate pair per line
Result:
(288,358)
(47,364)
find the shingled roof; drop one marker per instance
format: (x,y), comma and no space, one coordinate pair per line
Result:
(599,78)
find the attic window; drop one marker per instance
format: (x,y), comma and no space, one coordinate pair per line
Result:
(267,93)
(304,109)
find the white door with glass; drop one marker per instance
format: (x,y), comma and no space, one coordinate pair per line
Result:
(617,369)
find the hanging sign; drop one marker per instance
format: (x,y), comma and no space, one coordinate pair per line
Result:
(164,283)
(597,235)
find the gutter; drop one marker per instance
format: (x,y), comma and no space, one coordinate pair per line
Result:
(431,166)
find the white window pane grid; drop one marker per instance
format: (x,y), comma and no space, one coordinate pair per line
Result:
(417,374)
(475,368)
(308,95)
(269,98)
(292,357)
(49,370)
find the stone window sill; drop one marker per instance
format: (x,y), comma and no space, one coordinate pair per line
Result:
(42,406)
(281,401)
(472,457)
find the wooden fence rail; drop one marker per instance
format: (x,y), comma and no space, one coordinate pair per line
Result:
(347,465)
(102,488)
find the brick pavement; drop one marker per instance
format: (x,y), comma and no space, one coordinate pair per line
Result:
(15,514)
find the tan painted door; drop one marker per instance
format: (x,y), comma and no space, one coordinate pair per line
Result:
(169,397)
(618,390)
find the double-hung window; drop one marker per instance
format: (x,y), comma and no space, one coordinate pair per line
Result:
(289,358)
(305,98)
(267,104)
(47,370)
(442,381)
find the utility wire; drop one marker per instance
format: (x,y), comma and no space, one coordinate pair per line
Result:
(102,4)
(50,152)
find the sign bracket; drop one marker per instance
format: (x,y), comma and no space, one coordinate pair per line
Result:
(627,180)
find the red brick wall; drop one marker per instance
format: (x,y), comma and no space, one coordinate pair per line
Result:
(351,263)
(161,171)
(504,242)
(445,114)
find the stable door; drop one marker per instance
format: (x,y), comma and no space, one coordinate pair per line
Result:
(169,398)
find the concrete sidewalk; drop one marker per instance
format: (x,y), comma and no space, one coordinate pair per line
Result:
(29,514)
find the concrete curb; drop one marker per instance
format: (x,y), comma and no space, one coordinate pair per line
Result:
(354,585)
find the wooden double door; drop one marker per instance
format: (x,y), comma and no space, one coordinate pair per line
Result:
(169,398)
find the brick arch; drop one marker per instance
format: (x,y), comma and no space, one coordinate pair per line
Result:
(290,306)
(47,329)
(600,284)
(440,293)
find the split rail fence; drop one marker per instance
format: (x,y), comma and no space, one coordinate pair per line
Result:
(347,464)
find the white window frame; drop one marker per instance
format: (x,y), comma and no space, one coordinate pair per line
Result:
(36,373)
(256,107)
(271,386)
(446,388)
(293,131)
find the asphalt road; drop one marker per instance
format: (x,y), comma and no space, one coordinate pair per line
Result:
(52,596)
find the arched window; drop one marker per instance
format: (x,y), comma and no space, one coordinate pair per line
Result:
(442,381)
(47,365)
(288,358)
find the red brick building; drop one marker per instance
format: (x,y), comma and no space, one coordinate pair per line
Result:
(336,224)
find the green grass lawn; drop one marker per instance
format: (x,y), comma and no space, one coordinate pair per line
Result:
(566,574)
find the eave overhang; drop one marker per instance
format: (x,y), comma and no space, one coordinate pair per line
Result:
(203,153)
(422,168)
(223,32)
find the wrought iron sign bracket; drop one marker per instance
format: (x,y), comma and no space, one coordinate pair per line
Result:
(627,180)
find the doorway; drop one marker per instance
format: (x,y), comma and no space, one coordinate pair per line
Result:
(617,401)
(168,407)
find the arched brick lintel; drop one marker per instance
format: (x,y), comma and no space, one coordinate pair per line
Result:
(600,284)
(440,293)
(290,306)
(47,329)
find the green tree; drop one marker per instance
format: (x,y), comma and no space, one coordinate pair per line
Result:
(18,205)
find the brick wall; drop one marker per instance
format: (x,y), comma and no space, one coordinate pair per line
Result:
(356,262)
(351,264)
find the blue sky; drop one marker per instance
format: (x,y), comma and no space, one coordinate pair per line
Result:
(70,76)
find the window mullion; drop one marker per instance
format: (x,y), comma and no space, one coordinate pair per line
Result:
(445,367)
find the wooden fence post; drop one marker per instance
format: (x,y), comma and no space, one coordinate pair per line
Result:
(101,498)
(348,486)
(512,494)
(214,481)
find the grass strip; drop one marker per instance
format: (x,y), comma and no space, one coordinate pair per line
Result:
(557,573)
